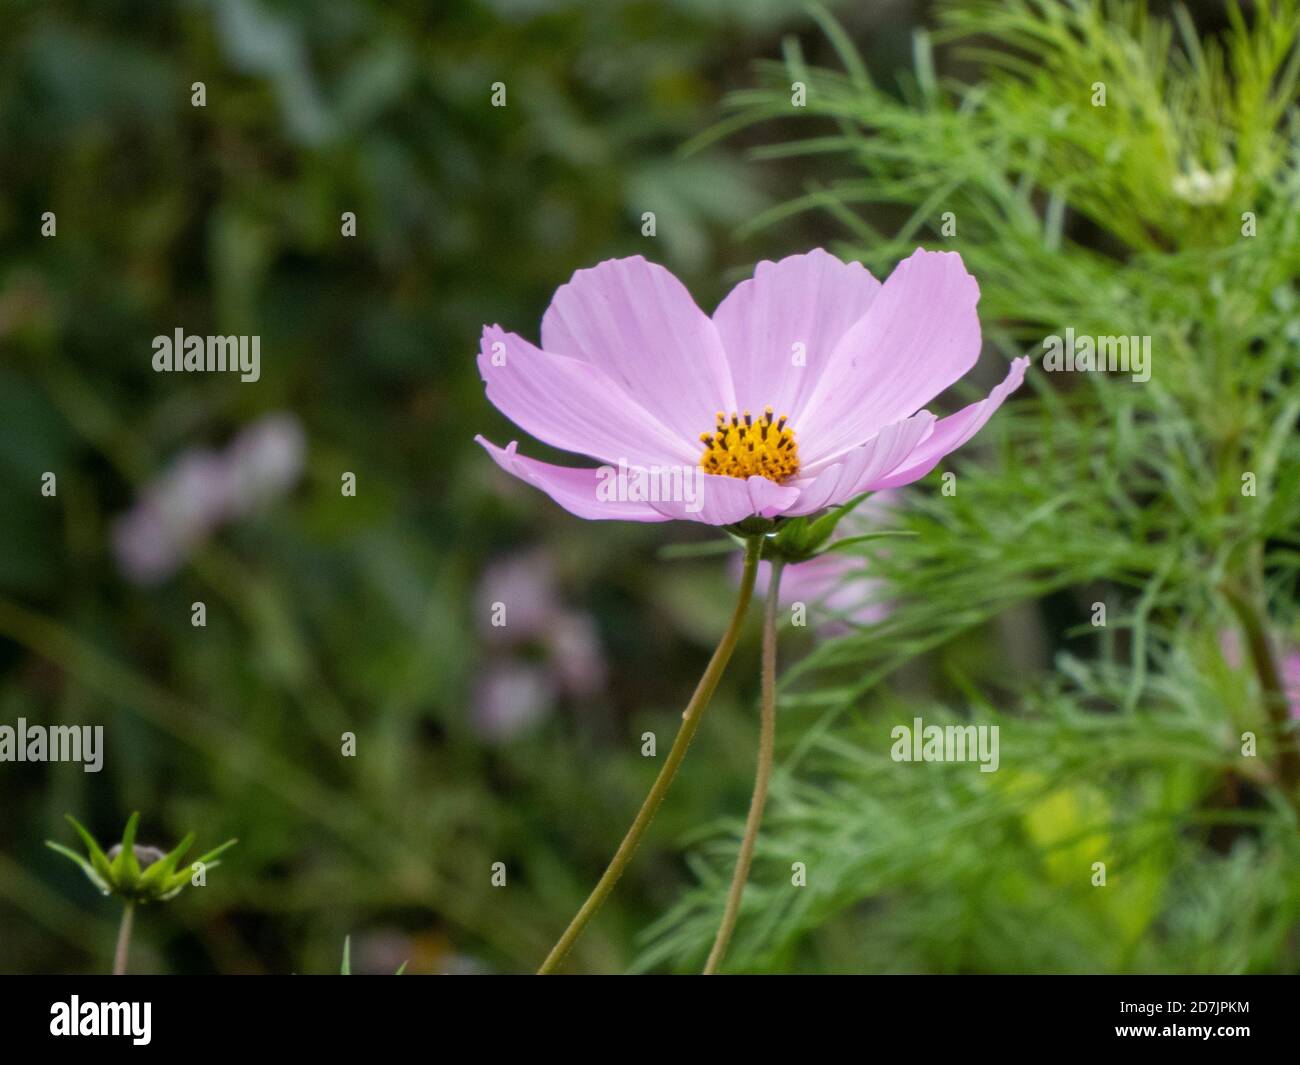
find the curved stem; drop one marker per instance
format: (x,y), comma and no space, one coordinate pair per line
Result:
(766,749)
(123,940)
(1264,661)
(690,723)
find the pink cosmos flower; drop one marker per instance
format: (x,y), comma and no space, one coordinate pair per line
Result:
(803,389)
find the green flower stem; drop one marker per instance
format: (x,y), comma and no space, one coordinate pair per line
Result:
(123,940)
(690,723)
(766,750)
(1264,662)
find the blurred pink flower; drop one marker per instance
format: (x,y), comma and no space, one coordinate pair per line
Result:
(802,390)
(1291,680)
(828,582)
(203,490)
(575,652)
(264,461)
(175,514)
(835,585)
(524,586)
(510,697)
(541,651)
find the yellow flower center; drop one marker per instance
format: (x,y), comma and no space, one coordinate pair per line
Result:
(739,446)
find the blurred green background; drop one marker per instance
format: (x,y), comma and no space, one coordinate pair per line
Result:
(329,614)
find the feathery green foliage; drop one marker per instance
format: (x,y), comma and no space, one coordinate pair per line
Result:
(1172,211)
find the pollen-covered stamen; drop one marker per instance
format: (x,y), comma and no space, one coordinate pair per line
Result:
(740,446)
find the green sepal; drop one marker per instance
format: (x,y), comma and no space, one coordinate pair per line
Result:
(86,867)
(164,867)
(126,868)
(177,880)
(754,525)
(850,541)
(97,856)
(799,539)
(208,859)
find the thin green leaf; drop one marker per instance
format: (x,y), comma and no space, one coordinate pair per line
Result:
(126,868)
(97,856)
(165,866)
(207,859)
(86,867)
(849,541)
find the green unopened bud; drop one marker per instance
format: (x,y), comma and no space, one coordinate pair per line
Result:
(136,872)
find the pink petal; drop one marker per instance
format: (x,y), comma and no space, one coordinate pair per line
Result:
(834,584)
(953,431)
(809,300)
(725,500)
(860,469)
(1291,681)
(919,335)
(574,489)
(638,323)
(572,404)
